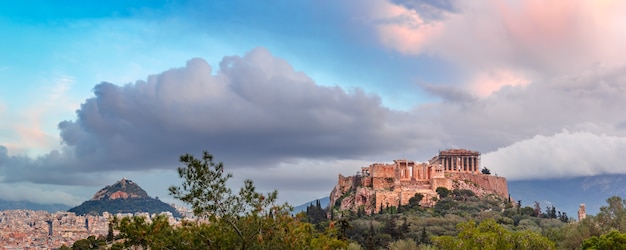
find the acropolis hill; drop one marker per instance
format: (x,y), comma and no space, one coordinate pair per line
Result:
(382,185)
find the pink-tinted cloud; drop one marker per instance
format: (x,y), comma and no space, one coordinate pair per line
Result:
(486,83)
(29,134)
(404,29)
(545,37)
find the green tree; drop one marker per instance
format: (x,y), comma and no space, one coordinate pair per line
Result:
(315,213)
(611,240)
(444,206)
(90,242)
(415,200)
(613,216)
(403,244)
(424,237)
(486,171)
(246,220)
(390,227)
(204,188)
(110,236)
(82,244)
(442,192)
(490,235)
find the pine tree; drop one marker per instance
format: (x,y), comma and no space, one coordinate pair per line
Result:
(424,237)
(204,188)
(390,227)
(370,244)
(110,235)
(563,217)
(404,228)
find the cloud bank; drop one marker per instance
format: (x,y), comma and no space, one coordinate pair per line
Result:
(252,111)
(257,112)
(506,43)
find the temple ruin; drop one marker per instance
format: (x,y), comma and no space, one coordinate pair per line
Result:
(392,184)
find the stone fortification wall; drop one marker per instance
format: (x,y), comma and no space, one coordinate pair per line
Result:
(382,183)
(382,170)
(344,183)
(441,182)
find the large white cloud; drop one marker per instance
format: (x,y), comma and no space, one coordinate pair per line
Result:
(562,155)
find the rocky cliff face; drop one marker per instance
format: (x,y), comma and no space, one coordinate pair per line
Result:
(350,194)
(480,184)
(356,192)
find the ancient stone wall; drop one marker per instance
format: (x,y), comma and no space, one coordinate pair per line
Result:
(382,170)
(440,182)
(382,183)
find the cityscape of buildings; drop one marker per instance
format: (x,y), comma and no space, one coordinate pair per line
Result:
(27,229)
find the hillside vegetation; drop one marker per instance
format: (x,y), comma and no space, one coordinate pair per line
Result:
(134,205)
(459,220)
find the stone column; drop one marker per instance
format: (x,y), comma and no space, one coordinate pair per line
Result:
(474,163)
(464,163)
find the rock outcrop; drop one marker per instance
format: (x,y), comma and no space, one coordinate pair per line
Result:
(123,196)
(122,189)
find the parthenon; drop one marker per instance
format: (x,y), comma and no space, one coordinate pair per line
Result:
(458,160)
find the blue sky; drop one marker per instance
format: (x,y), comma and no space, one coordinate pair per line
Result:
(293,92)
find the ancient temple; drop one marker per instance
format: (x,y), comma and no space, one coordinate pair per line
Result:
(457,160)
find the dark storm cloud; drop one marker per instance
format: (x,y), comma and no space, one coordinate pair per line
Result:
(253,111)
(449,93)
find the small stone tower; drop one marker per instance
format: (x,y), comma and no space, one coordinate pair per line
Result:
(582,213)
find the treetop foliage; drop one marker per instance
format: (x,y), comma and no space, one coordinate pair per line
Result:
(460,220)
(245,220)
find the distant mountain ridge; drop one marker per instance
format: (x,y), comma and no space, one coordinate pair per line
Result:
(568,193)
(323,202)
(124,196)
(26,205)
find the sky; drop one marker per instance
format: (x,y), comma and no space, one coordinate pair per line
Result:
(291,94)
